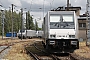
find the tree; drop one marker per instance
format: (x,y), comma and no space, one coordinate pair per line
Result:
(0,25)
(19,20)
(30,22)
(8,22)
(16,22)
(40,28)
(36,26)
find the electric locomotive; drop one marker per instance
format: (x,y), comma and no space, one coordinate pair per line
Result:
(60,31)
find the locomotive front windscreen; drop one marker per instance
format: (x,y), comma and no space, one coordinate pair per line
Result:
(62,21)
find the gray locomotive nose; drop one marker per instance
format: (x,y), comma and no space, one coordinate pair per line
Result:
(60,31)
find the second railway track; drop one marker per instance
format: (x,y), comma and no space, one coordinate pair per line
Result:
(3,47)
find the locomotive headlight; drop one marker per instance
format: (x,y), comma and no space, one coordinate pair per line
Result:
(51,42)
(72,36)
(52,36)
(73,42)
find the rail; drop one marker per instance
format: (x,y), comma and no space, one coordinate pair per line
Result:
(47,56)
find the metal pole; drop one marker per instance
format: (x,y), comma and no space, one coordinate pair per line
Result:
(21,21)
(28,21)
(12,21)
(18,24)
(2,23)
(67,5)
(35,26)
(26,24)
(86,22)
(43,8)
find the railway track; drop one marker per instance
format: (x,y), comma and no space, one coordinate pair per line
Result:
(43,57)
(47,56)
(8,45)
(50,57)
(4,49)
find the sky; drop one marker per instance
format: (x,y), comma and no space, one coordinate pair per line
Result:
(38,8)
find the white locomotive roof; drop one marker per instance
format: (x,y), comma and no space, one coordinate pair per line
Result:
(61,12)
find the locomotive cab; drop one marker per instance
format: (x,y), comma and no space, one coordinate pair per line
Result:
(60,31)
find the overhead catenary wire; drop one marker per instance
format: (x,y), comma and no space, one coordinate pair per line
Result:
(51,4)
(43,8)
(58,7)
(75,0)
(30,5)
(2,5)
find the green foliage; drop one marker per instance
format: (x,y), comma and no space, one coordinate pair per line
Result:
(16,22)
(37,28)
(30,23)
(0,25)
(40,28)
(8,22)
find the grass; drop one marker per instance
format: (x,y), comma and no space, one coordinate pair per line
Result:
(17,52)
(82,43)
(83,50)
